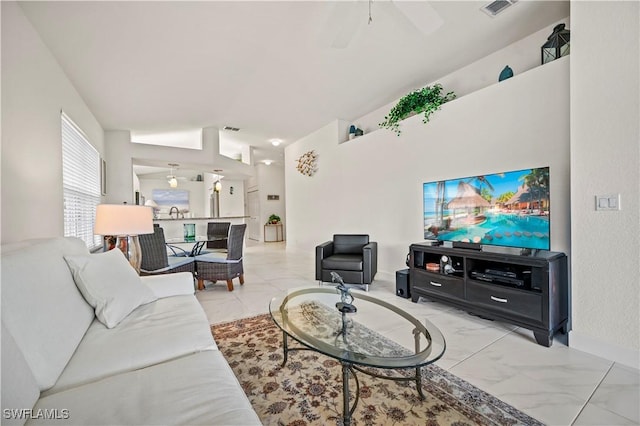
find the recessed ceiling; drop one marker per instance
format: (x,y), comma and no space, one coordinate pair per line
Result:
(272,69)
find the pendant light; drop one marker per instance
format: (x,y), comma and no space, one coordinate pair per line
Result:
(217,186)
(173,182)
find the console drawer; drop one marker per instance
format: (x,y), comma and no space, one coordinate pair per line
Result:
(504,299)
(440,284)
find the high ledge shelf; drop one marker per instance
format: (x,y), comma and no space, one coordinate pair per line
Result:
(343,125)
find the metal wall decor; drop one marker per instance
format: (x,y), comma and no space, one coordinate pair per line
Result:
(307,163)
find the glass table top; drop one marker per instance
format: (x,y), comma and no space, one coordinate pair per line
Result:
(367,337)
(197,244)
(195,239)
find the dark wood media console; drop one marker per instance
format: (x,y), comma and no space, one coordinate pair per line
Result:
(527,291)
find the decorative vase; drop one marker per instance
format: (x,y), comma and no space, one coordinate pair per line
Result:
(189,231)
(352,131)
(506,73)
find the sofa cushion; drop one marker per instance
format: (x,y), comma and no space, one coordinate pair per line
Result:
(167,285)
(41,306)
(344,262)
(154,333)
(199,389)
(109,284)
(19,387)
(349,243)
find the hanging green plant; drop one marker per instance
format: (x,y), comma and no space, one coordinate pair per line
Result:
(427,100)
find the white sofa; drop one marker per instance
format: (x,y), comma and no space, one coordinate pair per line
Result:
(61,364)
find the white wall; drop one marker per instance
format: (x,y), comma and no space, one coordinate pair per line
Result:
(118,152)
(34,91)
(521,56)
(373,184)
(232,204)
(121,154)
(605,158)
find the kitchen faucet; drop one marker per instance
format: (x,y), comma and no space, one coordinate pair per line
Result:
(171,212)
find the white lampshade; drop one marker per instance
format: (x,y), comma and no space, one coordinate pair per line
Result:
(122,219)
(173,182)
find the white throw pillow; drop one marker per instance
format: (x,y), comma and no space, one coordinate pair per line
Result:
(109,284)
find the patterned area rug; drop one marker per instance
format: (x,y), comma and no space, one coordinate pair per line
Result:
(308,389)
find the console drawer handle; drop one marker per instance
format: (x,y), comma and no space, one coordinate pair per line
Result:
(435,284)
(498,299)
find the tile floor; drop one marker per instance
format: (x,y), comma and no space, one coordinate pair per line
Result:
(556,385)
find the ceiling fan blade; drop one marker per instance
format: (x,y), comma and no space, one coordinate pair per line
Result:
(342,24)
(420,15)
(346,19)
(353,22)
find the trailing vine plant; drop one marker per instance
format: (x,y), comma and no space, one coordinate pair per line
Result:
(427,100)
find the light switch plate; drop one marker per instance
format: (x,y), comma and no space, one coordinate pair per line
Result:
(608,202)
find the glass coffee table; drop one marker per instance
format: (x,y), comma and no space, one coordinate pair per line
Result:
(320,320)
(198,242)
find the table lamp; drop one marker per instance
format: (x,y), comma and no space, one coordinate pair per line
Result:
(126,223)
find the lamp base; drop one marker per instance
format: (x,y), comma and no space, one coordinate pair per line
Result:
(130,246)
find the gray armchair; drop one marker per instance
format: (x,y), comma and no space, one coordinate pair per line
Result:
(352,256)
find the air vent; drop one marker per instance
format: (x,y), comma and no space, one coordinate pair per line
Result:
(232,129)
(498,6)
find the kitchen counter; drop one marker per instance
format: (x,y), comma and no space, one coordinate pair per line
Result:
(173,228)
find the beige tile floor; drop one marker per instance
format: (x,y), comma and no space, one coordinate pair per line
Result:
(556,385)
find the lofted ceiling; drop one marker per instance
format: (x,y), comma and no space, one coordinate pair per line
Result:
(274,69)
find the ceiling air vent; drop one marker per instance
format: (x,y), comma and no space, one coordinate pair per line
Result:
(493,8)
(232,129)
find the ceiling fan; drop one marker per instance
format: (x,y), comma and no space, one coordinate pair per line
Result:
(346,19)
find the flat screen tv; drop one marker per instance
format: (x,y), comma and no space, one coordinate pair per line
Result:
(506,209)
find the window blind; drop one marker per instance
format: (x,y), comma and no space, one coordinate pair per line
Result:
(80,184)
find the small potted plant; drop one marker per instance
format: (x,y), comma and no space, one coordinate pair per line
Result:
(274,219)
(427,100)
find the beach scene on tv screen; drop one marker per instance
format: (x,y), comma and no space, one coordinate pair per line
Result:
(507,209)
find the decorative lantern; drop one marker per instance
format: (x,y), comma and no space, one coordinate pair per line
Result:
(557,44)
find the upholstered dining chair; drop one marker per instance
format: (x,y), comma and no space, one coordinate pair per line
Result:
(212,268)
(218,234)
(156,260)
(352,256)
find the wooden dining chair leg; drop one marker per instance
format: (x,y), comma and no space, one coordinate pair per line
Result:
(241,279)
(230,285)
(200,284)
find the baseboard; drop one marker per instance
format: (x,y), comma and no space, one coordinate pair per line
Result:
(606,350)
